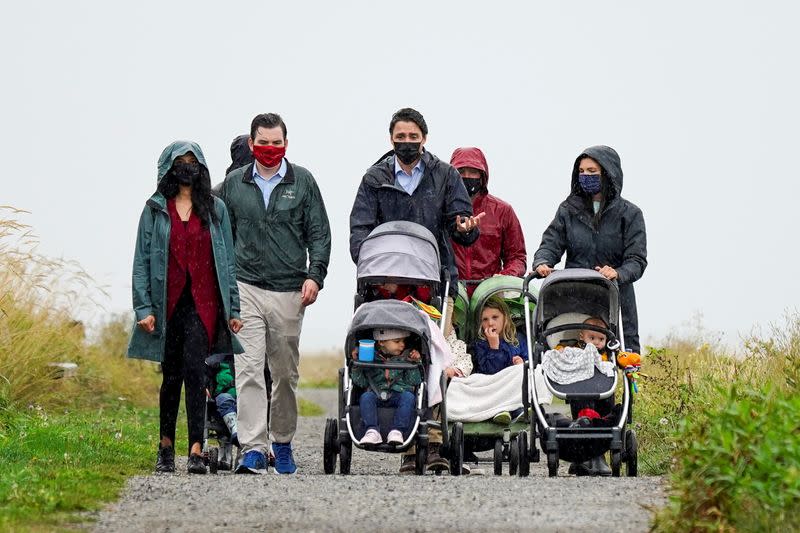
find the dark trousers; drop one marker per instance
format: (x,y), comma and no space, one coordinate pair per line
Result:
(403,402)
(185,353)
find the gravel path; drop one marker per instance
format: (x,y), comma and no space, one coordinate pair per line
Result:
(375,498)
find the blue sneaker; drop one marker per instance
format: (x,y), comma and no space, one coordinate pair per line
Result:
(284,461)
(253,462)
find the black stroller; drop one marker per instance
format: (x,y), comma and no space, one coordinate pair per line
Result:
(224,456)
(565,299)
(219,457)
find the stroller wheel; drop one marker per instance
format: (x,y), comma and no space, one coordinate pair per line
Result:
(345,454)
(213,460)
(421,459)
(329,446)
(552,464)
(513,457)
(616,463)
(498,457)
(631,453)
(522,453)
(457,449)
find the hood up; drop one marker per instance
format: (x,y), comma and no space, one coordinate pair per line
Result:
(473,158)
(174,151)
(612,169)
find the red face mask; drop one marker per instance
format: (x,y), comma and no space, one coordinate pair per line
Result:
(268,155)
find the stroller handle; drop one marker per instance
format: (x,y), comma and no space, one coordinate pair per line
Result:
(526,283)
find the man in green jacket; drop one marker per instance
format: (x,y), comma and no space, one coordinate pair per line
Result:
(283,242)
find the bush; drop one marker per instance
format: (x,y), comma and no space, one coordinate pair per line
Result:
(738,464)
(729,432)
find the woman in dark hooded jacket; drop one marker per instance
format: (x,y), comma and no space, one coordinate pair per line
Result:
(600,230)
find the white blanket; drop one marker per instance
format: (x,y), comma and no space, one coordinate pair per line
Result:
(479,397)
(571,364)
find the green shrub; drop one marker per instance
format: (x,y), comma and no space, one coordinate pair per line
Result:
(738,464)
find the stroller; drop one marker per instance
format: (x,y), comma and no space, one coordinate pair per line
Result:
(566,298)
(224,456)
(342,433)
(220,457)
(507,442)
(404,255)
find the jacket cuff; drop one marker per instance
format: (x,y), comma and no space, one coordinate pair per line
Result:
(316,279)
(143,312)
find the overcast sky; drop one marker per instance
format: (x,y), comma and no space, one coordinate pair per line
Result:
(699,98)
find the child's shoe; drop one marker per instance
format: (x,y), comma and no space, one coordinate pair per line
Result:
(503,418)
(230,422)
(372,437)
(394,437)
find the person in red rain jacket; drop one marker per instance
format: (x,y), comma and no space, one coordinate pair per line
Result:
(500,249)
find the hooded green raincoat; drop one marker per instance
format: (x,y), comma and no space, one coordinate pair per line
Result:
(150,267)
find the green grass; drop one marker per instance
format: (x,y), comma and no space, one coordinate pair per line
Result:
(309,408)
(57,465)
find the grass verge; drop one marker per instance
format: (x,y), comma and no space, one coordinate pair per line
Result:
(57,466)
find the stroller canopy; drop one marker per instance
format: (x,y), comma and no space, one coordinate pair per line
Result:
(387,314)
(577,290)
(399,249)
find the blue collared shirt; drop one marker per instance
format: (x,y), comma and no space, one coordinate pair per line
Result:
(267,186)
(408,183)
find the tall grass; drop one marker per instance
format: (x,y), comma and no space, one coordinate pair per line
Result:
(39,300)
(726,429)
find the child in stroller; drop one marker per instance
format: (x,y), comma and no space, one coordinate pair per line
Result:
(387,388)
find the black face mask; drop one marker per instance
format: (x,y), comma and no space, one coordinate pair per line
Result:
(473,185)
(186,173)
(407,153)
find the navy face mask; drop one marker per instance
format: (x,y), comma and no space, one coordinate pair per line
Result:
(590,183)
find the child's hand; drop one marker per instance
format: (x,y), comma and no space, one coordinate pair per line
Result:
(414,356)
(452,372)
(517,360)
(354,354)
(492,337)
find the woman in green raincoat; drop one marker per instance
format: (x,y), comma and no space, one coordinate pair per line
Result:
(184,292)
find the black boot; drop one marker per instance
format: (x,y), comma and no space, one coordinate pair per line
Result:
(196,464)
(166,459)
(596,466)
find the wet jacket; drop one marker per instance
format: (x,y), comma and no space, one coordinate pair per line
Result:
(281,245)
(615,236)
(435,203)
(500,249)
(492,361)
(151,259)
(387,380)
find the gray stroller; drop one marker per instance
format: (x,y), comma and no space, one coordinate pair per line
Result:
(342,433)
(566,298)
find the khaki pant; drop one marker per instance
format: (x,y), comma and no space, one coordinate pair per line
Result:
(270,335)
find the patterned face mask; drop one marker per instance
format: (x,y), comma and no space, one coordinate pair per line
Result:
(590,183)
